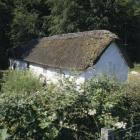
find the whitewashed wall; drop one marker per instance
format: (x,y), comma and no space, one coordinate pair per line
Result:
(54,75)
(36,69)
(50,74)
(111,64)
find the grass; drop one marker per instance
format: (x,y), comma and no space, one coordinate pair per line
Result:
(1,75)
(135,77)
(137,67)
(2,72)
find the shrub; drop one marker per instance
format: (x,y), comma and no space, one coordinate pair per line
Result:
(63,112)
(32,113)
(92,110)
(130,109)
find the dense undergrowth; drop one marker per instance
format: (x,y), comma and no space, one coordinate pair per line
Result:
(30,111)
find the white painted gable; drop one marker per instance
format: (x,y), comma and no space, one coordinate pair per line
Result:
(111,63)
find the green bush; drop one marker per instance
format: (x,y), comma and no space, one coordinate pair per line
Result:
(92,110)
(32,112)
(63,112)
(130,109)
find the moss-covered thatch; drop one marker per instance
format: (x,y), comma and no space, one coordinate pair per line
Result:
(70,51)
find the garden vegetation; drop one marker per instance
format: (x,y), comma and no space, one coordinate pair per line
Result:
(30,111)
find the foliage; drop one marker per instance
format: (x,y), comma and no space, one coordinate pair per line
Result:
(65,112)
(29,21)
(33,115)
(132,97)
(18,82)
(129,110)
(5,20)
(92,110)
(136,67)
(3,134)
(62,18)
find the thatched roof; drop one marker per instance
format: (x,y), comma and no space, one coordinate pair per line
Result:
(69,51)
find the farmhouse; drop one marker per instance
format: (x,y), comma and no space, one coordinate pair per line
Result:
(82,55)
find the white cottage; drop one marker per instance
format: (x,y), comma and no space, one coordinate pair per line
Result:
(82,55)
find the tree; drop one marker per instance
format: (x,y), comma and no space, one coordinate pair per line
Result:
(5,20)
(130,30)
(62,18)
(29,21)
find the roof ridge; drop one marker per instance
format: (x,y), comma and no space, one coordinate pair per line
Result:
(94,33)
(68,51)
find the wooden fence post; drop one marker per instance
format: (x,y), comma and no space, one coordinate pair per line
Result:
(107,134)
